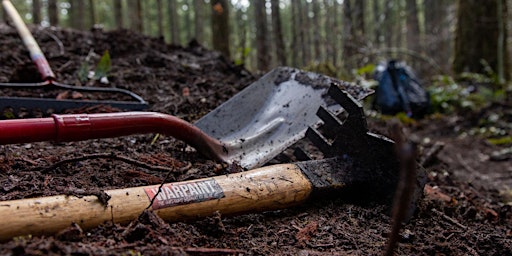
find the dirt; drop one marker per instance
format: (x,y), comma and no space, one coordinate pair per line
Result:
(466,209)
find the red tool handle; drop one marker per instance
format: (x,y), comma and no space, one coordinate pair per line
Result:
(36,54)
(76,127)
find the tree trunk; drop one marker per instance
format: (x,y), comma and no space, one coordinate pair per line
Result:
(306,38)
(295,33)
(413,26)
(349,46)
(118,13)
(477,35)
(136,15)
(220,26)
(36,11)
(53,15)
(260,16)
(437,36)
(92,13)
(173,22)
(278,33)
(198,20)
(316,31)
(77,14)
(159,18)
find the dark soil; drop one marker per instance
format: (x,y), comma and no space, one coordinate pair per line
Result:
(467,209)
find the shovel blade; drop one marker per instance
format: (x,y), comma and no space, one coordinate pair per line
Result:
(272,113)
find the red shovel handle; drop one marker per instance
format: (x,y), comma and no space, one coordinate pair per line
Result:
(108,125)
(36,54)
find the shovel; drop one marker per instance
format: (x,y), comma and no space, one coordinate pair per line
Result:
(251,128)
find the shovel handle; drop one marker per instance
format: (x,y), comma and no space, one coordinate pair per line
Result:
(267,188)
(77,127)
(36,54)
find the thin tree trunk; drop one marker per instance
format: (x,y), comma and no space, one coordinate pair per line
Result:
(413,26)
(53,13)
(295,33)
(118,14)
(260,15)
(348,32)
(36,11)
(306,47)
(220,26)
(160,18)
(278,33)
(92,13)
(173,21)
(136,15)
(198,20)
(76,12)
(316,31)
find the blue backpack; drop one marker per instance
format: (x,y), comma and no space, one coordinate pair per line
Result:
(399,91)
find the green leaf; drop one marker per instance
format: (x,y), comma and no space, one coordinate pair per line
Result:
(103,66)
(83,72)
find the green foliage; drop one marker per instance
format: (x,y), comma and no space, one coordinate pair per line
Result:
(505,140)
(365,70)
(448,96)
(83,72)
(103,66)
(241,55)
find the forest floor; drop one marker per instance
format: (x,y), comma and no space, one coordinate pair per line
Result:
(467,208)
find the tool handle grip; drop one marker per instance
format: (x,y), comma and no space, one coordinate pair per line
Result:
(262,189)
(36,54)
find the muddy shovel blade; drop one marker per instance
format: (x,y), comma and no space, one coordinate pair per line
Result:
(272,113)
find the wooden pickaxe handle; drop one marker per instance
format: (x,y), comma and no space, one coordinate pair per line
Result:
(266,188)
(36,54)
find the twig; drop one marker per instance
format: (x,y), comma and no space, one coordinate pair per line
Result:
(449,219)
(406,154)
(108,156)
(58,41)
(465,164)
(431,154)
(212,251)
(182,169)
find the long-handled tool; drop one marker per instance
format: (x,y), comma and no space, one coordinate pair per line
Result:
(373,167)
(49,81)
(251,128)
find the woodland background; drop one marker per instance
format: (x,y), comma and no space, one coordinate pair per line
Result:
(338,37)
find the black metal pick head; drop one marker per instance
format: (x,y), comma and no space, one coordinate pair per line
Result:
(367,161)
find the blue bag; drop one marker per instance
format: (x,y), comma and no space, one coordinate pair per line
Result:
(399,91)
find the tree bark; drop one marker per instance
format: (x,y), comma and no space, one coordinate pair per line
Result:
(198,20)
(295,33)
(437,35)
(36,11)
(278,33)
(159,18)
(173,22)
(118,13)
(477,35)
(316,32)
(92,13)
(53,15)
(349,48)
(262,47)
(220,26)
(136,15)
(413,26)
